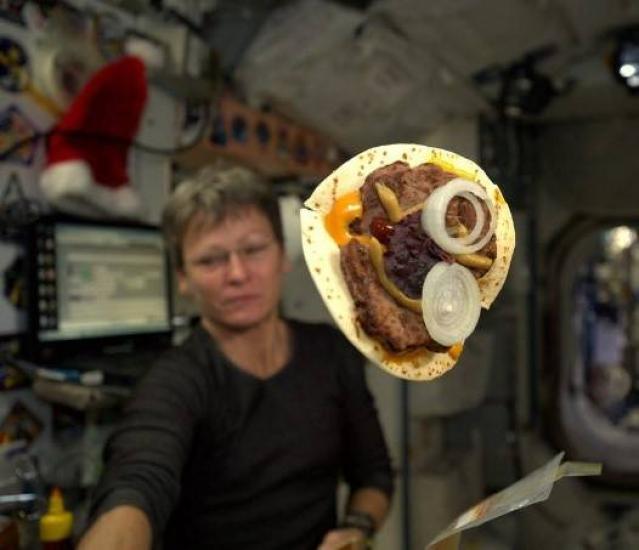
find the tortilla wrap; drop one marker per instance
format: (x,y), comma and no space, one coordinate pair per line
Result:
(322,254)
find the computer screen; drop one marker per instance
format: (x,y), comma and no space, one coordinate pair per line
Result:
(93,281)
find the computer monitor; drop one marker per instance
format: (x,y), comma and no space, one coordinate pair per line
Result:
(95,285)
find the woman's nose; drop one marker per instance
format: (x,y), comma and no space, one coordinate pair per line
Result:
(237,270)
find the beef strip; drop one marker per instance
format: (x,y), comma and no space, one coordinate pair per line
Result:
(411,187)
(417,184)
(396,328)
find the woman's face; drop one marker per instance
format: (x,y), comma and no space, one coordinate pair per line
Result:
(233,270)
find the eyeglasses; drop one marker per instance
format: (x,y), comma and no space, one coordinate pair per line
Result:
(249,254)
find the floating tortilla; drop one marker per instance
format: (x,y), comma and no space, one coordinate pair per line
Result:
(322,253)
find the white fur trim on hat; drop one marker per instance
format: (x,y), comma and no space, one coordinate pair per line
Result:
(69,186)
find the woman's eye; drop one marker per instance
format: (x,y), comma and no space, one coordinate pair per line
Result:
(255,249)
(212,261)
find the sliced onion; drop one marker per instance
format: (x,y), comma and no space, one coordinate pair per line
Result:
(434,216)
(479,219)
(451,303)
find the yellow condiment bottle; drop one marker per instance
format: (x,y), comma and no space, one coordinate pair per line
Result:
(56,525)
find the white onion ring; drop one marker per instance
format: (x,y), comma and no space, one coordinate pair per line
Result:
(434,216)
(451,303)
(479,219)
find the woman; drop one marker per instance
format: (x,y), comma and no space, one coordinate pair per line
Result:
(237,438)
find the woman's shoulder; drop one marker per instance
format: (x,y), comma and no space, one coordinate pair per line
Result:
(190,349)
(181,371)
(192,358)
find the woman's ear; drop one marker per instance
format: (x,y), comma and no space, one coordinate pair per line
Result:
(183,283)
(290,206)
(287,265)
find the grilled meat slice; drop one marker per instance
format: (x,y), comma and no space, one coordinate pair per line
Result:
(419,182)
(411,186)
(396,328)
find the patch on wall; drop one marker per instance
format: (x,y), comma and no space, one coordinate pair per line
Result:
(16,128)
(14,62)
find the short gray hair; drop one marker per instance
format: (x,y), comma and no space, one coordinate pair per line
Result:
(211,196)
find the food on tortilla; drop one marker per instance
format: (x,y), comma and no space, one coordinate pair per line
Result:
(406,243)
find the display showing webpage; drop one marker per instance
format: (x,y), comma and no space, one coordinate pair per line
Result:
(106,281)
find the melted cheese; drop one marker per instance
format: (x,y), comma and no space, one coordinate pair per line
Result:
(345,209)
(456,350)
(414,356)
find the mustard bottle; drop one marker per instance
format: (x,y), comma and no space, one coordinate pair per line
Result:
(56,525)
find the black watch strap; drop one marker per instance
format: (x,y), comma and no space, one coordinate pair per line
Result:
(360,520)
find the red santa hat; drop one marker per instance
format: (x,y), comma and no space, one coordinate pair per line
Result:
(86,167)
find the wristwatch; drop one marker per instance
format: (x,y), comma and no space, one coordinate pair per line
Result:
(362,521)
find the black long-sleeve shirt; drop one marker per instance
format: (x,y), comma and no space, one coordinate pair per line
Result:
(220,459)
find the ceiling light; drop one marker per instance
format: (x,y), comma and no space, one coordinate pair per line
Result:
(626,57)
(627,70)
(633,81)
(619,239)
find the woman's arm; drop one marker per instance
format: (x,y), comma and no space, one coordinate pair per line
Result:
(366,511)
(370,501)
(122,528)
(366,467)
(145,456)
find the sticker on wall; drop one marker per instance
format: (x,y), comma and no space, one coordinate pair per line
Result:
(193,124)
(11,10)
(14,73)
(21,423)
(16,128)
(16,78)
(13,283)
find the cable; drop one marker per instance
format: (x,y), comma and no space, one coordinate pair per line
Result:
(18,213)
(106,137)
